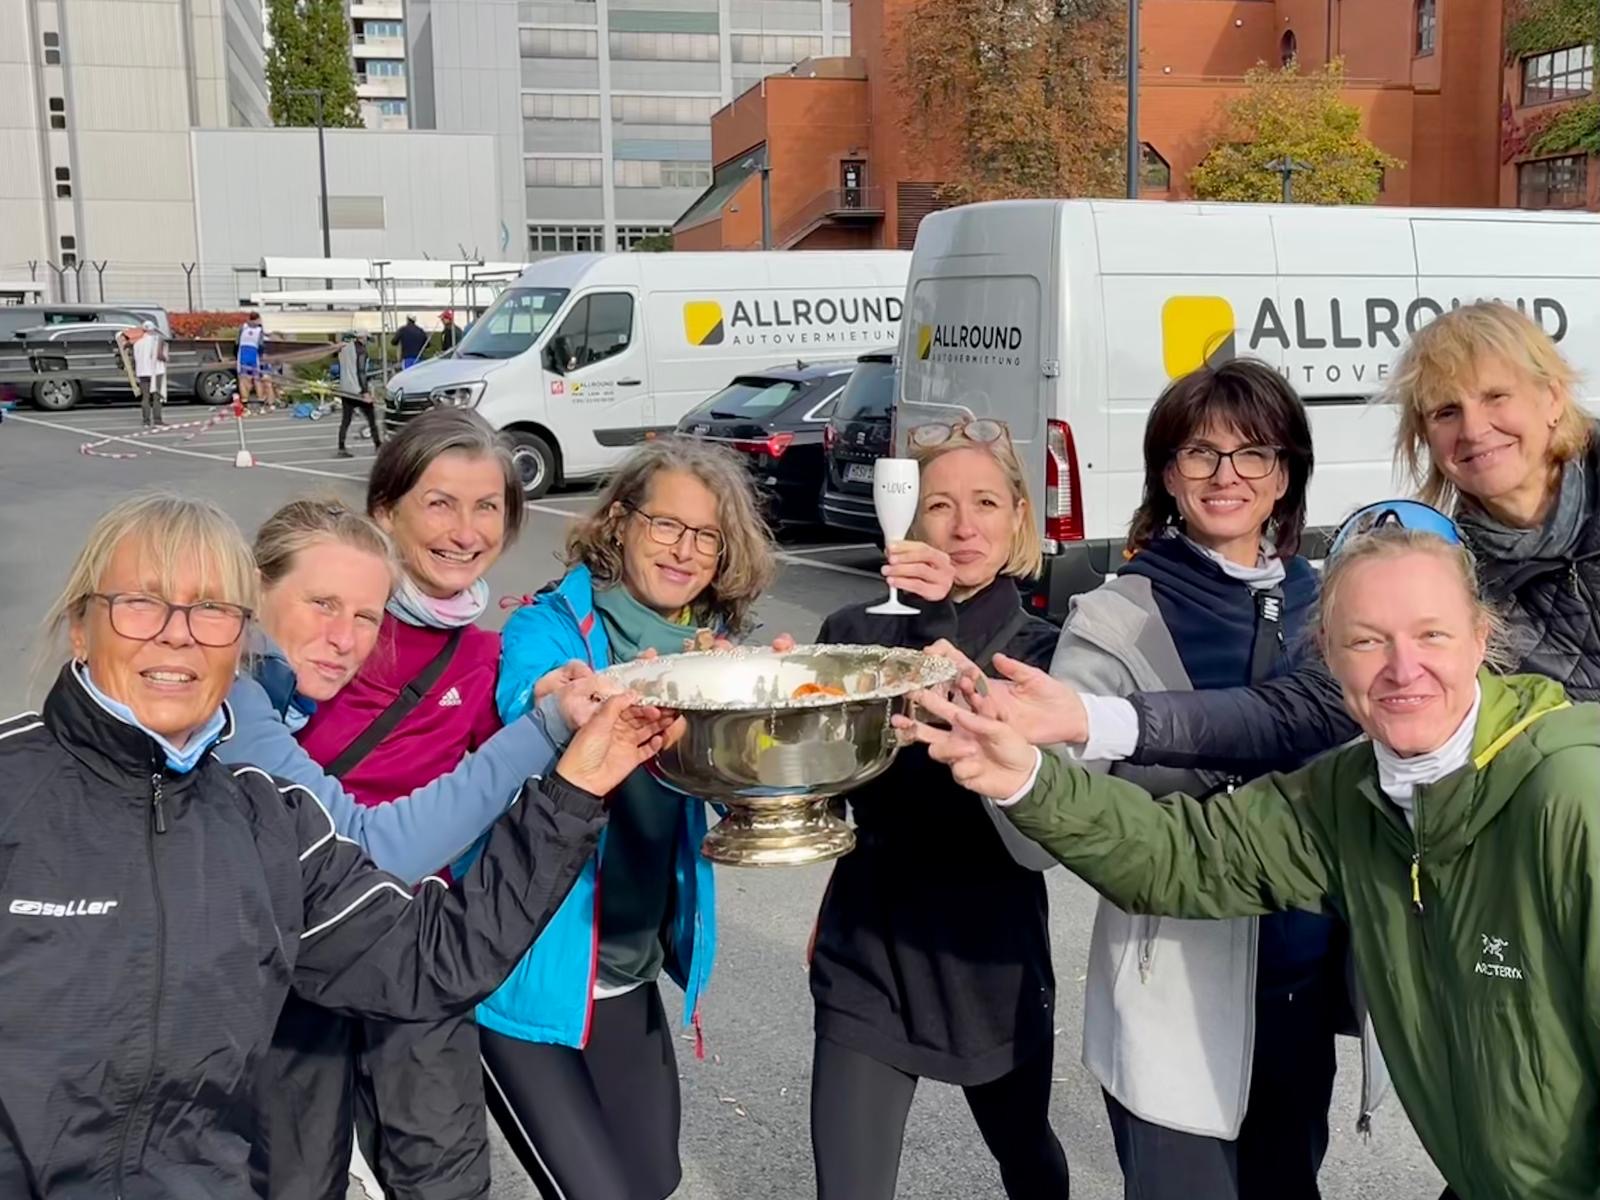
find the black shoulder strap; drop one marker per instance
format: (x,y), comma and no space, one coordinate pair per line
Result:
(410,696)
(1267,651)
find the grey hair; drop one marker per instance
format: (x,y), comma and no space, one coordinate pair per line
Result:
(406,455)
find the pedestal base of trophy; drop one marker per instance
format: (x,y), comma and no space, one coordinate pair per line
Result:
(793,836)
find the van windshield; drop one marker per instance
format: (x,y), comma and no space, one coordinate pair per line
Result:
(512,323)
(870,393)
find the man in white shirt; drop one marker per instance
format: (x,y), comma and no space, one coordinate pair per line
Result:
(150,367)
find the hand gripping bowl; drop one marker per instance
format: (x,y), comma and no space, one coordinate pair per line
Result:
(774,760)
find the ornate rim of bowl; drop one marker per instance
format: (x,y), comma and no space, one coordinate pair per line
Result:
(929,671)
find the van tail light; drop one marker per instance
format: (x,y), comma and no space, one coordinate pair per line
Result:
(1063,493)
(830,435)
(773,447)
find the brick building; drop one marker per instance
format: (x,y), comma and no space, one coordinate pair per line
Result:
(1481,111)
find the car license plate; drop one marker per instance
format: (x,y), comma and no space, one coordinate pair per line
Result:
(858,472)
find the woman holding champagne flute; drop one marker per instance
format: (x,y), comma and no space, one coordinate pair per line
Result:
(932,952)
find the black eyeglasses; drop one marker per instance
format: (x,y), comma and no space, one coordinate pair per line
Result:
(141,618)
(669,531)
(1249,462)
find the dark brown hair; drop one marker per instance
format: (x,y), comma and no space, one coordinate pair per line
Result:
(405,456)
(1258,402)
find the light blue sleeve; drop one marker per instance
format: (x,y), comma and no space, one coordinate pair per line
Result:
(411,836)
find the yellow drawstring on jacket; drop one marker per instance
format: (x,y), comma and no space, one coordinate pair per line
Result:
(1416,883)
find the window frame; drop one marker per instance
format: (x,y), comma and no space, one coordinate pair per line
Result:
(1573,197)
(1424,28)
(584,304)
(1582,70)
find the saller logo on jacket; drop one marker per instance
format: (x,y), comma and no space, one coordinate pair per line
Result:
(72,908)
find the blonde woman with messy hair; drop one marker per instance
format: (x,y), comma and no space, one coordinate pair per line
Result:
(578,1052)
(162,905)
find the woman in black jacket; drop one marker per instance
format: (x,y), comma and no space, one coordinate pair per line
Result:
(159,905)
(932,950)
(1490,427)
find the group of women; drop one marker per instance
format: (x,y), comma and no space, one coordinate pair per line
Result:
(290,813)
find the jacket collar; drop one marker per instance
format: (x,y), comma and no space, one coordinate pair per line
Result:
(112,750)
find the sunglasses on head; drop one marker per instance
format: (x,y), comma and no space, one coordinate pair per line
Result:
(984,431)
(1405,514)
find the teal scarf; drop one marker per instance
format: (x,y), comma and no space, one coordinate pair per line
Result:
(632,628)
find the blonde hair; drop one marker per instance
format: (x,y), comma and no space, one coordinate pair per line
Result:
(1026,559)
(748,562)
(301,524)
(1395,541)
(1443,357)
(175,533)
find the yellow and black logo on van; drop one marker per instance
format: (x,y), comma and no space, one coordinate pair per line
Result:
(1196,331)
(924,341)
(702,323)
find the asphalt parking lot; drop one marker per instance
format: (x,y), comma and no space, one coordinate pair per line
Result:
(745,1115)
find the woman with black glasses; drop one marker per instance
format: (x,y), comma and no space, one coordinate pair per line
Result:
(932,951)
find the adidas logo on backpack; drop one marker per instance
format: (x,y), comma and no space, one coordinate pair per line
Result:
(451,699)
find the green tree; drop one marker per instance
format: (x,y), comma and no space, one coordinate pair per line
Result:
(1015,98)
(654,243)
(1284,113)
(310,49)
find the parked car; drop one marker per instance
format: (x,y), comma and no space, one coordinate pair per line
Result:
(857,435)
(15,317)
(775,418)
(59,365)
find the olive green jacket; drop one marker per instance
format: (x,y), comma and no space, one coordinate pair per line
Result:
(1477,936)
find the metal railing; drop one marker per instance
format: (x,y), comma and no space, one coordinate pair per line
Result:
(864,203)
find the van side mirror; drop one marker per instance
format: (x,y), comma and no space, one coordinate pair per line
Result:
(552,358)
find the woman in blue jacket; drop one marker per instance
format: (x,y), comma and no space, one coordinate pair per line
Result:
(582,1075)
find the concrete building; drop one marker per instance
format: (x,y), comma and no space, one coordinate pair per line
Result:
(1472,103)
(378,57)
(97,98)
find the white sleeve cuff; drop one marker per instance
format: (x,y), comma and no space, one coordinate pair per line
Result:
(1113,729)
(1033,778)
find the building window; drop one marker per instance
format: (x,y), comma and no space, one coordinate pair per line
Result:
(1288,47)
(1427,25)
(559,43)
(563,172)
(670,47)
(774,48)
(650,173)
(664,110)
(58,113)
(629,236)
(390,67)
(560,106)
(1559,75)
(1155,174)
(383,29)
(566,239)
(354,212)
(841,45)
(598,327)
(63,183)
(69,250)
(392,108)
(52,49)
(1553,182)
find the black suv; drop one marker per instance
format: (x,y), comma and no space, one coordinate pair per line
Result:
(856,437)
(775,419)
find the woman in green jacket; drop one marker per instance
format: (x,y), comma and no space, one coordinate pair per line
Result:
(1460,842)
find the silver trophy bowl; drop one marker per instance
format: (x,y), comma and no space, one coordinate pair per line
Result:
(772,758)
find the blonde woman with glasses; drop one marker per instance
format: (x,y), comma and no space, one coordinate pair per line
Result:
(932,951)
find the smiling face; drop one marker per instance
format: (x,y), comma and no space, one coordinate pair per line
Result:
(451,526)
(1405,642)
(967,510)
(1492,439)
(324,614)
(172,683)
(1227,512)
(669,578)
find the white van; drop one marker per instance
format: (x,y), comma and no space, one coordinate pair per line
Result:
(1066,318)
(586,355)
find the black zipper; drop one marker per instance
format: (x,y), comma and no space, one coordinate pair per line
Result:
(157,824)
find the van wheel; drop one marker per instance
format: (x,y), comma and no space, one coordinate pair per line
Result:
(536,463)
(215,387)
(56,395)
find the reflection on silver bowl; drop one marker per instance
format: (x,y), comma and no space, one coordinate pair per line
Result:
(774,759)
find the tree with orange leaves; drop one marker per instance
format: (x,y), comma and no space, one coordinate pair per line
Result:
(1016,98)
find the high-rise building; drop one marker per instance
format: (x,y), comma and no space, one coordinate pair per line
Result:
(603,107)
(378,56)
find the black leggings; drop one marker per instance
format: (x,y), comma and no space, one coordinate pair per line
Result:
(599,1123)
(858,1121)
(347,413)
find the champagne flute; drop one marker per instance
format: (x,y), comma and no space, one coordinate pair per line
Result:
(894,495)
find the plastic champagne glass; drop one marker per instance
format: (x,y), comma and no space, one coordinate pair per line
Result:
(894,496)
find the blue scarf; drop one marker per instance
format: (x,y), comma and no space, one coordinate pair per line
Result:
(182,760)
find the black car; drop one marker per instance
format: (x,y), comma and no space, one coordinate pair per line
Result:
(857,436)
(776,418)
(58,365)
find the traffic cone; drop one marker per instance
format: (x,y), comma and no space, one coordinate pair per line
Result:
(243,458)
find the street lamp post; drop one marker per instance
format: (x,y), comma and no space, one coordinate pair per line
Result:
(322,167)
(1135,148)
(1287,168)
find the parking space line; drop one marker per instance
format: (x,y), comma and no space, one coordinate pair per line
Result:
(301,462)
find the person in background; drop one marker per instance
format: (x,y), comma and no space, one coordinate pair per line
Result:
(252,362)
(583,1076)
(449,331)
(1459,839)
(1213,1040)
(412,340)
(353,397)
(932,950)
(149,368)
